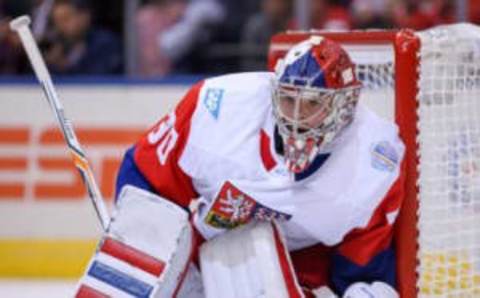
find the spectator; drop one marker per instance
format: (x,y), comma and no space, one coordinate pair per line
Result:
(328,15)
(474,11)
(40,12)
(371,14)
(12,58)
(170,30)
(193,31)
(152,20)
(237,14)
(75,47)
(218,51)
(424,14)
(273,17)
(11,53)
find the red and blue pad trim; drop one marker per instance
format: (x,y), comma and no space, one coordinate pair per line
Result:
(132,256)
(120,280)
(120,267)
(88,292)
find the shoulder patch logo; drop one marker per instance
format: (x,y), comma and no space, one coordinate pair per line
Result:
(213,100)
(384,156)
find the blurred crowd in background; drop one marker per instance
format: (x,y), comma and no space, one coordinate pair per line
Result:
(162,37)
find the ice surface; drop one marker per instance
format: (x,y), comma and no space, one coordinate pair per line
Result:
(40,288)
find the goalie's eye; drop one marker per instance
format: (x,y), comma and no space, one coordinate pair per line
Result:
(311,105)
(288,99)
(286,104)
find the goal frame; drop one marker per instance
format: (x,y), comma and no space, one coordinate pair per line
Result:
(406,45)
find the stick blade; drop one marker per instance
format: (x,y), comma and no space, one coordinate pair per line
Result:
(20,22)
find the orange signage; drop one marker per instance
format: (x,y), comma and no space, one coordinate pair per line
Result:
(40,183)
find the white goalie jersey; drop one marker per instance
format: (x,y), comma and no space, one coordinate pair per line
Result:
(219,152)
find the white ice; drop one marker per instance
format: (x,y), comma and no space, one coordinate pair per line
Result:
(39,288)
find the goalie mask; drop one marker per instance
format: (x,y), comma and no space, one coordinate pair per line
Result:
(314,97)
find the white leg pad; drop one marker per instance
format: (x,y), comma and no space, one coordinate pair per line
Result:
(192,286)
(248,262)
(145,251)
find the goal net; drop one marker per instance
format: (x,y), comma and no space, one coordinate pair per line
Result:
(429,83)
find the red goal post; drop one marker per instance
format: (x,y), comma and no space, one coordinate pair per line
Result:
(423,81)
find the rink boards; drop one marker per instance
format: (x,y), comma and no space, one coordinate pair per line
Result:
(48,227)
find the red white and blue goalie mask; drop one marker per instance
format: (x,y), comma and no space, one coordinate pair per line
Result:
(314,99)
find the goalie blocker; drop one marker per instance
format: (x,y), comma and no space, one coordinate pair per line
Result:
(140,255)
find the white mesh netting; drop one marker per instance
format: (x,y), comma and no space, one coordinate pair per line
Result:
(449,150)
(375,68)
(449,168)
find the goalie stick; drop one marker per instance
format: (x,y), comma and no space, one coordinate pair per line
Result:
(21,26)
(127,262)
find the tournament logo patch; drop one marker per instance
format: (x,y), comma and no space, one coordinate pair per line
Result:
(233,208)
(384,157)
(213,100)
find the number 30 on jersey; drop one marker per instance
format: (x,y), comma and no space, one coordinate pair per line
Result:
(165,136)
